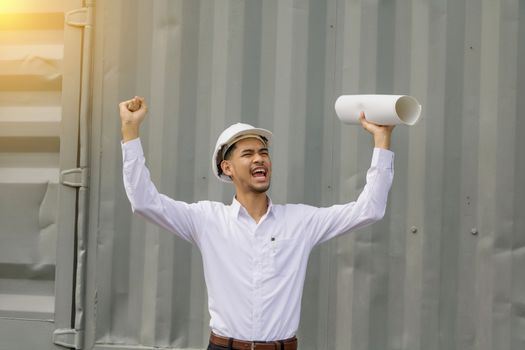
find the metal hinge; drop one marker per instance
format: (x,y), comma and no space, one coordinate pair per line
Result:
(78,17)
(69,338)
(77,177)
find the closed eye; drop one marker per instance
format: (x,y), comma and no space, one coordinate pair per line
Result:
(250,152)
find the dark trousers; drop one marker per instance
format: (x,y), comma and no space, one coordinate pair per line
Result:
(216,347)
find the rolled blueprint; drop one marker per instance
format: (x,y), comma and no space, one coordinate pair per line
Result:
(379,109)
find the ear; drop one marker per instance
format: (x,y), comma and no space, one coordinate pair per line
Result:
(226,167)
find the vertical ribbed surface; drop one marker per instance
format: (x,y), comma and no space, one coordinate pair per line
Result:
(443,270)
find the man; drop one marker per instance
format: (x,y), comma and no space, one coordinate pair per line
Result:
(254,252)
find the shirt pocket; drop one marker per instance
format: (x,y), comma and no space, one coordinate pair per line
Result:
(286,255)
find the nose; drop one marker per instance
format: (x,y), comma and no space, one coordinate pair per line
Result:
(258,158)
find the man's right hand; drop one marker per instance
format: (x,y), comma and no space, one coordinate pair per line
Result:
(131,120)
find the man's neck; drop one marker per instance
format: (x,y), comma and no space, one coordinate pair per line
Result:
(256,204)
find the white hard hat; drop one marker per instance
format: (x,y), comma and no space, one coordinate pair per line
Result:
(227,138)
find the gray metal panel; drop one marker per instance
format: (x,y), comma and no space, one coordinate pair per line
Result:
(443,270)
(30,117)
(39,56)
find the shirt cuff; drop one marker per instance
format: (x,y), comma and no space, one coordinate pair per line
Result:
(382,158)
(132,149)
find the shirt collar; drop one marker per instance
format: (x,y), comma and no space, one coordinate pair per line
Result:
(236,207)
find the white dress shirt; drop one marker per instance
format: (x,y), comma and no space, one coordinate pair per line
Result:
(255,272)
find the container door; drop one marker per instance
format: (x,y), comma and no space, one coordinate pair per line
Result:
(41,183)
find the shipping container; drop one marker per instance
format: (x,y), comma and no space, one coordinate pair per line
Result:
(442,270)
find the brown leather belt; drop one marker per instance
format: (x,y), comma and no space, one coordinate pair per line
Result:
(286,344)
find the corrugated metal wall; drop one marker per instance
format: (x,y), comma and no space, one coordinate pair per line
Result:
(31,54)
(40,59)
(443,270)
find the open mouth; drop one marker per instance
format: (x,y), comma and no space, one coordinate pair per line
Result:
(259,173)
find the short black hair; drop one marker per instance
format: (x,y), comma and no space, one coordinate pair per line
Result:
(229,151)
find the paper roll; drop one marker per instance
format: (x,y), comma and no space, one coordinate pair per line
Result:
(379,109)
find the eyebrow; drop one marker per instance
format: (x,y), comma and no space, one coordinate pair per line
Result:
(252,150)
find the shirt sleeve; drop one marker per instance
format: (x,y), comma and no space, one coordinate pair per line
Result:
(369,207)
(175,216)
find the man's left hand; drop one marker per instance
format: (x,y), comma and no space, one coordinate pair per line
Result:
(381,133)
